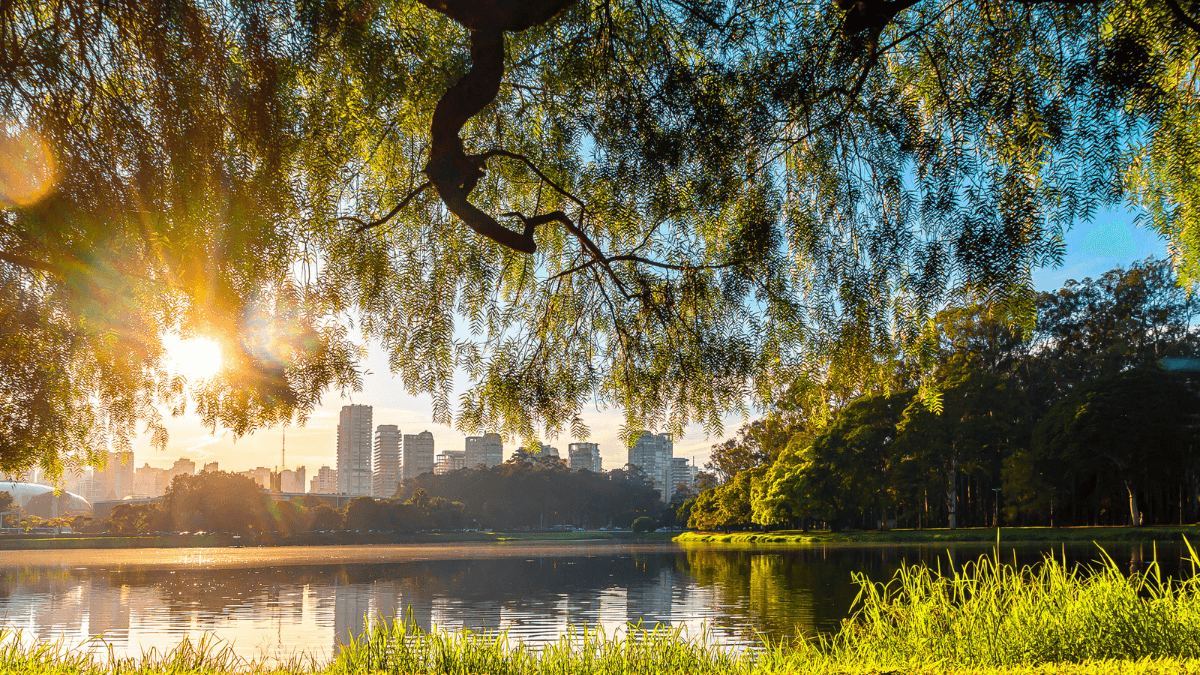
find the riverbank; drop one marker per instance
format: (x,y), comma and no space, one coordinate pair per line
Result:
(35,543)
(1011,535)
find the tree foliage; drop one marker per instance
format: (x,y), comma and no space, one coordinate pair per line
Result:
(1072,422)
(672,206)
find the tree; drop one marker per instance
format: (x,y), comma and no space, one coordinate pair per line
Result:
(1131,432)
(6,500)
(642,525)
(670,206)
(216,501)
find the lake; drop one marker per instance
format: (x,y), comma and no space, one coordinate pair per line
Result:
(277,602)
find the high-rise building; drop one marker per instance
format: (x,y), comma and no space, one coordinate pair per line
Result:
(210,467)
(261,475)
(385,470)
(584,456)
(149,481)
(652,454)
(450,460)
(325,482)
(354,450)
(682,473)
(418,454)
(115,481)
(292,480)
(487,450)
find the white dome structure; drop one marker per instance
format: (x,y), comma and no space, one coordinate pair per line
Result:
(23,492)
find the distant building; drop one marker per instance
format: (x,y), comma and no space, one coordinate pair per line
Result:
(210,467)
(418,454)
(385,469)
(584,456)
(653,454)
(354,450)
(182,467)
(260,475)
(325,482)
(291,480)
(682,473)
(149,481)
(115,480)
(486,450)
(450,460)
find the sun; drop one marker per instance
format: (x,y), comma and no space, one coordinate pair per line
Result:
(194,358)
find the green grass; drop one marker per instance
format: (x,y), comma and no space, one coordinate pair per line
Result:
(985,617)
(1009,535)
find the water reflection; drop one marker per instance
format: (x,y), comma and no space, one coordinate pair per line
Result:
(532,592)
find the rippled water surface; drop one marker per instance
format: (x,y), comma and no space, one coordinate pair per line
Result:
(276,602)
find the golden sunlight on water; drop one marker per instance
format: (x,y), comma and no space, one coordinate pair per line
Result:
(27,168)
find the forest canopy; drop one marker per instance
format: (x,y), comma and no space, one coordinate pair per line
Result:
(677,207)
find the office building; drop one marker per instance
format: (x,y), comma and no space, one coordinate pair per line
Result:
(584,456)
(450,460)
(182,467)
(653,453)
(682,473)
(385,463)
(325,482)
(418,454)
(486,450)
(115,480)
(210,467)
(149,481)
(292,480)
(261,475)
(354,451)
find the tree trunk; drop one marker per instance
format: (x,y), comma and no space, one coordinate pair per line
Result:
(952,493)
(1135,516)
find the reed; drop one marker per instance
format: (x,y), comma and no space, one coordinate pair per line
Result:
(983,617)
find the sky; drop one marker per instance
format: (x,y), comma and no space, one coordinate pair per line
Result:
(1093,248)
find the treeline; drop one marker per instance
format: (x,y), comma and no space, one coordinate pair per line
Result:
(542,493)
(1073,421)
(218,501)
(521,493)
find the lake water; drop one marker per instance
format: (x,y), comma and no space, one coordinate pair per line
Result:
(277,602)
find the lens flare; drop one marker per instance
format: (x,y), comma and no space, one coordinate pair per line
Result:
(194,358)
(27,167)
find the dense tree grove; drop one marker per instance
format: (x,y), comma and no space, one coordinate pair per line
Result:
(543,494)
(1074,422)
(675,207)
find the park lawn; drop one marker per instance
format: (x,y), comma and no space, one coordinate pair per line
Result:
(1011,535)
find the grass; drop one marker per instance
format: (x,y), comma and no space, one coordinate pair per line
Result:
(945,536)
(985,617)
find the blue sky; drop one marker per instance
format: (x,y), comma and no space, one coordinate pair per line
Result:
(1092,249)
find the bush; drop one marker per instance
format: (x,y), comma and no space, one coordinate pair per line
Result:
(643,525)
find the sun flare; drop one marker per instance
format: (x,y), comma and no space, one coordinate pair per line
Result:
(194,358)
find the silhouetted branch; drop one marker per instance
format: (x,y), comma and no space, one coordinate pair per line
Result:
(363,226)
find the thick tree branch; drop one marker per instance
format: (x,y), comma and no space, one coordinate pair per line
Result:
(29,263)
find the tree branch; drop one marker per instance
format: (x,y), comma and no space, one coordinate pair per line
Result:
(362,226)
(29,263)
(1182,15)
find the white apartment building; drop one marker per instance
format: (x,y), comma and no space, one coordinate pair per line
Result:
(354,451)
(653,454)
(487,450)
(418,454)
(584,456)
(385,476)
(325,482)
(450,460)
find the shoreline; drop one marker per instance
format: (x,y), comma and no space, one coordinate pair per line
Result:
(117,542)
(980,535)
